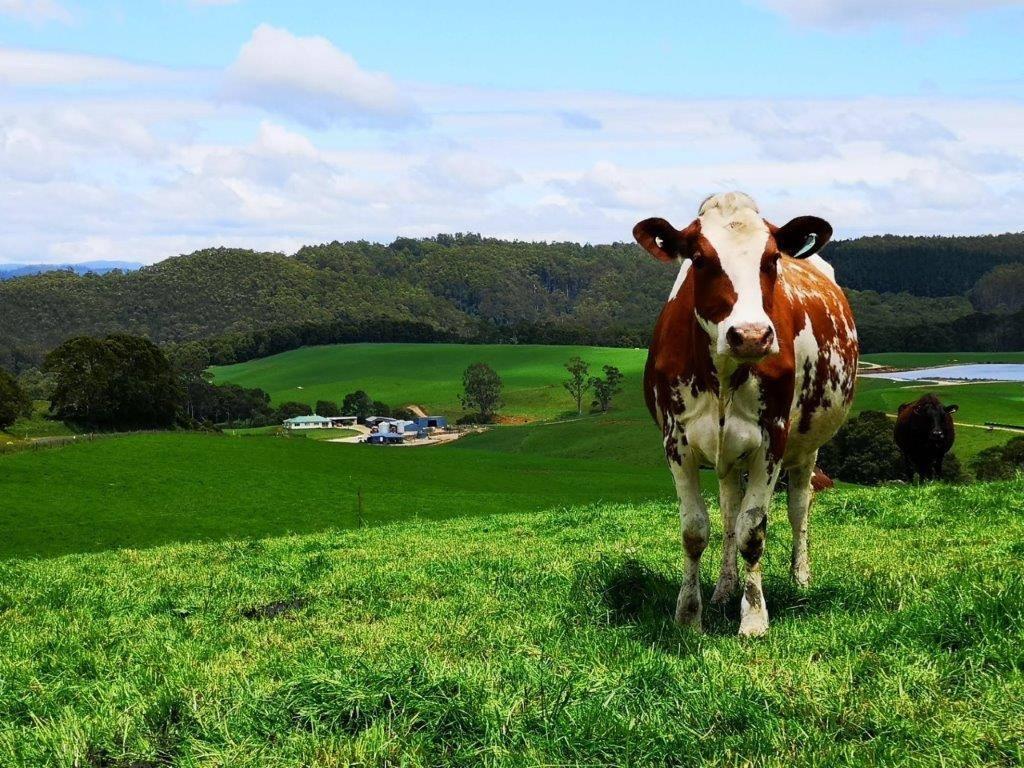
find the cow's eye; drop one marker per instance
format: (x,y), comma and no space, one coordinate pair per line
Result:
(699,261)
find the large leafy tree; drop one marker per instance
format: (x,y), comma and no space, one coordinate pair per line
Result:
(119,382)
(14,402)
(327,408)
(291,409)
(578,382)
(358,404)
(481,390)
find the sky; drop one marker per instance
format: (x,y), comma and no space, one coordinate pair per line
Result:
(146,129)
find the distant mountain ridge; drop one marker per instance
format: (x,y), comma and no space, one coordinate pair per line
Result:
(243,304)
(10,271)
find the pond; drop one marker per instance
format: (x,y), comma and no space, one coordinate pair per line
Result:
(971,372)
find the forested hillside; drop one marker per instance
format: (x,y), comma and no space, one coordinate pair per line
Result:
(469,288)
(925,266)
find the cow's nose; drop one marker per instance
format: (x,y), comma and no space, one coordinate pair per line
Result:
(750,339)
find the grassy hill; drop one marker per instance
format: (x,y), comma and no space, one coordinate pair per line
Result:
(526,638)
(430,376)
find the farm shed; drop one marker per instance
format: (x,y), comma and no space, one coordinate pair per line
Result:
(432,422)
(342,421)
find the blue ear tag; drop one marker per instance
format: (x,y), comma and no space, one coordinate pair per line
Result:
(808,245)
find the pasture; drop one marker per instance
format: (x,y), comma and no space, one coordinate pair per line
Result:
(186,598)
(144,490)
(429,375)
(526,638)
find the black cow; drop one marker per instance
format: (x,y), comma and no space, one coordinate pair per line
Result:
(924,433)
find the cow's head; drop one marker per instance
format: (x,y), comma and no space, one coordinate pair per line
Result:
(932,420)
(734,255)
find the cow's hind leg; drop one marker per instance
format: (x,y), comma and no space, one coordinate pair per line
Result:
(730,494)
(695,529)
(799,501)
(751,526)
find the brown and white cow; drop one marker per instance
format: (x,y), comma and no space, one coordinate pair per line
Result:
(751,369)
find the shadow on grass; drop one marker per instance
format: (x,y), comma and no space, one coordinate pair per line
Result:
(631,593)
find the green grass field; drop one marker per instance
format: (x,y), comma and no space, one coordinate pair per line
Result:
(200,599)
(429,375)
(150,489)
(525,638)
(278,431)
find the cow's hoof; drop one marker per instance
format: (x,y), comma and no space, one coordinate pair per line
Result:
(754,624)
(688,610)
(801,577)
(725,588)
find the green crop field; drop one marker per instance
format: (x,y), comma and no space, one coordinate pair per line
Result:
(523,638)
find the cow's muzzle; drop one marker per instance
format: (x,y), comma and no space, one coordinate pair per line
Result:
(750,341)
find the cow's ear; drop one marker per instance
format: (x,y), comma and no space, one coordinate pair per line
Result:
(903,407)
(803,236)
(952,408)
(660,239)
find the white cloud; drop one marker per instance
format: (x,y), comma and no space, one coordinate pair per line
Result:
(25,68)
(312,81)
(143,173)
(870,13)
(606,185)
(36,11)
(465,171)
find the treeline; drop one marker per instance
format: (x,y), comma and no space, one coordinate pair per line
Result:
(466,288)
(978,331)
(925,266)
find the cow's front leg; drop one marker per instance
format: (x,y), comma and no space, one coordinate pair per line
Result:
(693,517)
(751,525)
(730,494)
(799,496)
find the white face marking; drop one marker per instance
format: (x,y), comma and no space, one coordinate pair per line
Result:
(733,226)
(683,271)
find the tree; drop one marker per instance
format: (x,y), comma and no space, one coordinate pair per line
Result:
(291,409)
(1000,289)
(1000,462)
(863,451)
(358,404)
(190,362)
(606,388)
(14,402)
(119,382)
(577,384)
(481,390)
(327,408)
(36,384)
